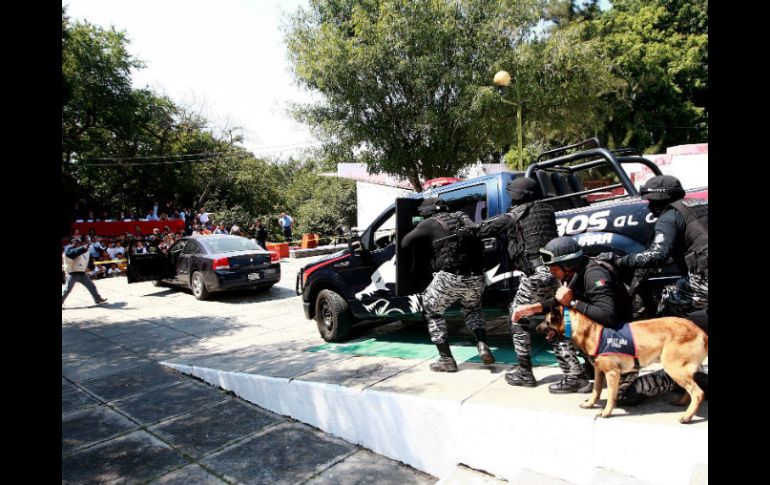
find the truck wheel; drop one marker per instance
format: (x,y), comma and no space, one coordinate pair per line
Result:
(333,317)
(198,286)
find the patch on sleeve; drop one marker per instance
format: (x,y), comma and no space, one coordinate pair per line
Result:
(600,282)
(660,237)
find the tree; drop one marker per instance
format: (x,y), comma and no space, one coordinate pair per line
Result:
(124,148)
(660,52)
(401,80)
(97,100)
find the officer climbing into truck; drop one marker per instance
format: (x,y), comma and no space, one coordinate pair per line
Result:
(458,275)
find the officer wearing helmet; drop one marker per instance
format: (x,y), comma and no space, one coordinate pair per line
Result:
(529,225)
(588,286)
(458,275)
(681,235)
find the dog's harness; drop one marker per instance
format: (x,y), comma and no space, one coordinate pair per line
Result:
(620,341)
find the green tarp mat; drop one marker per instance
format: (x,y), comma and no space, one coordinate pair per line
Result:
(407,345)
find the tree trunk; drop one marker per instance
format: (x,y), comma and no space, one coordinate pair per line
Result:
(414,179)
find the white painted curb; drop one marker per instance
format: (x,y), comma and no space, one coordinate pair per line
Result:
(435,435)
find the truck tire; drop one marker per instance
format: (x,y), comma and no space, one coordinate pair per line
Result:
(333,317)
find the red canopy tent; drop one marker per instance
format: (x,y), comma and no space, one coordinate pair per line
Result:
(115,228)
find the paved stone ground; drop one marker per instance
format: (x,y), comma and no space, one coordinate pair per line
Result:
(128,419)
(150,424)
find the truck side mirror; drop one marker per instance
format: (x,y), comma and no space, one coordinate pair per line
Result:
(354,242)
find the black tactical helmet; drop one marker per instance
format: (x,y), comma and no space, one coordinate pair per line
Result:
(524,189)
(431,206)
(561,250)
(662,188)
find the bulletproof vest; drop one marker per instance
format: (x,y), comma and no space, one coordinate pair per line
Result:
(455,253)
(534,226)
(696,233)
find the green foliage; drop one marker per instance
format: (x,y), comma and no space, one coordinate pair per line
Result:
(660,52)
(220,213)
(331,204)
(401,81)
(105,121)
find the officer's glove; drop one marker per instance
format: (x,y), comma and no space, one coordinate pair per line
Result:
(608,257)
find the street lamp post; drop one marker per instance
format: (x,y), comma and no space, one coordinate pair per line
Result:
(502,80)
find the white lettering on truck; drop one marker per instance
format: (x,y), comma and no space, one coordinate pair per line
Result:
(581,222)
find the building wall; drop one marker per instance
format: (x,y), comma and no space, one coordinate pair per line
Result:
(373,199)
(688,163)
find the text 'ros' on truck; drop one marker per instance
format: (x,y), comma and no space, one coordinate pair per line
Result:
(595,201)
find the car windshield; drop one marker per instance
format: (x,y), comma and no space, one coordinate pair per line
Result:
(222,244)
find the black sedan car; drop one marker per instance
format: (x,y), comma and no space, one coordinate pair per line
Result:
(207,264)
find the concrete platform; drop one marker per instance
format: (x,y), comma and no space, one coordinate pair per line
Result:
(255,346)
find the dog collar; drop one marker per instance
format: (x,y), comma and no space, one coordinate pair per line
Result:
(567,323)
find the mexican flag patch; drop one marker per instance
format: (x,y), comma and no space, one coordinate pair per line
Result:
(599,283)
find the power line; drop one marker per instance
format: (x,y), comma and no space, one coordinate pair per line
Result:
(208,157)
(123,163)
(196,157)
(152,157)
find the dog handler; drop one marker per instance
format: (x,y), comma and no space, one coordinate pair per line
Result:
(593,290)
(458,275)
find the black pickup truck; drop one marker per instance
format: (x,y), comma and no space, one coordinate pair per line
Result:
(375,279)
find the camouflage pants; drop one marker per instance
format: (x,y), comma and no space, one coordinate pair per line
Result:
(442,292)
(687,295)
(537,288)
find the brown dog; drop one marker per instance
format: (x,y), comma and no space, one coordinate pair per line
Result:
(676,342)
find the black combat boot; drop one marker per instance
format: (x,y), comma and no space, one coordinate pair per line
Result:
(481,344)
(522,375)
(571,384)
(575,379)
(445,363)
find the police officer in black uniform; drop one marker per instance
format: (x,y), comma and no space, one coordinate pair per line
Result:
(590,287)
(458,275)
(681,235)
(529,225)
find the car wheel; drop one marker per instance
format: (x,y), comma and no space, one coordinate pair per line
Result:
(198,286)
(333,316)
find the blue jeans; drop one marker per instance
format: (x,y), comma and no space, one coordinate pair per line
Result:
(85,281)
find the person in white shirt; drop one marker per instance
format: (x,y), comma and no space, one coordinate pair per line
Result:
(203,217)
(76,257)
